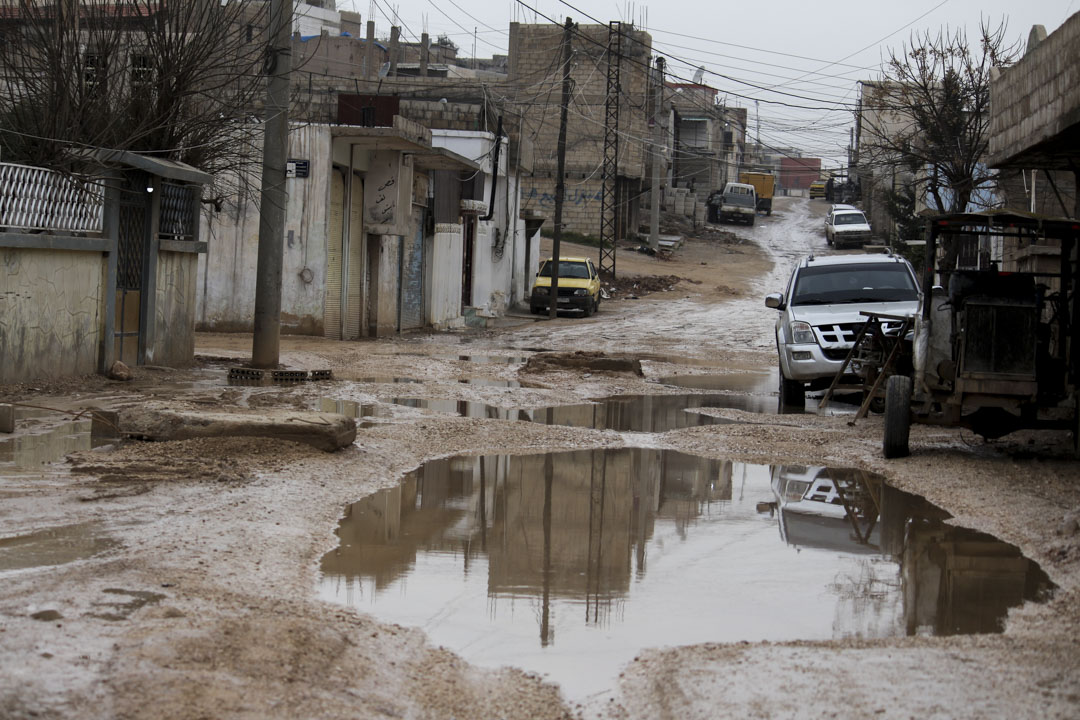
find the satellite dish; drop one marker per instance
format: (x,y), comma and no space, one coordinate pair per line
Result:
(700,73)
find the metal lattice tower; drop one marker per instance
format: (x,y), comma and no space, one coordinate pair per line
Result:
(609,198)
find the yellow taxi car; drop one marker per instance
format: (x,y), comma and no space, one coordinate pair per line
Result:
(579,286)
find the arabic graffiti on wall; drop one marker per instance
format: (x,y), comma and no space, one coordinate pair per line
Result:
(382,210)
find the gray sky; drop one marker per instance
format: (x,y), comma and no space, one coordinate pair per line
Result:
(801,60)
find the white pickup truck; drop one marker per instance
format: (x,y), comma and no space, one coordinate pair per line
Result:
(738,203)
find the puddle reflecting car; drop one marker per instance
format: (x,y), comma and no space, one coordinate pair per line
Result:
(820,314)
(826,508)
(579,286)
(846,226)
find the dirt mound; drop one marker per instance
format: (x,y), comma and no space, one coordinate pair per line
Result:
(581,360)
(640,285)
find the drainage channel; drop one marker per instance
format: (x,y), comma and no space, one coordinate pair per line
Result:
(568,564)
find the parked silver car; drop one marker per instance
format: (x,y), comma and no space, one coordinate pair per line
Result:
(820,314)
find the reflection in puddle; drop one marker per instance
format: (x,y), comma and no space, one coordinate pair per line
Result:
(55,546)
(569,564)
(622,413)
(26,453)
(758,382)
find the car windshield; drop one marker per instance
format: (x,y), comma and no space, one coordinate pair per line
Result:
(855,283)
(567,269)
(849,218)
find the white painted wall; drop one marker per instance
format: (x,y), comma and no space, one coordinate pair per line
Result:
(498,282)
(227,272)
(444,282)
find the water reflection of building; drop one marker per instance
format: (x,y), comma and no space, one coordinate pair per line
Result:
(571,525)
(953,580)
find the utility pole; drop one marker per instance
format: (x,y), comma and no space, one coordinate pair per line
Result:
(560,182)
(266,341)
(425,53)
(658,140)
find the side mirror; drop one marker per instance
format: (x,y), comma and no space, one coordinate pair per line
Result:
(774,301)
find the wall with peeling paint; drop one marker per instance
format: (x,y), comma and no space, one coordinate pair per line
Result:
(444,280)
(174,309)
(51,309)
(227,272)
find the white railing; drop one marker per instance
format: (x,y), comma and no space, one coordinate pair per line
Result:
(33,198)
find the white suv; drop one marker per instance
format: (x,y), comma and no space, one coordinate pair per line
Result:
(820,314)
(846,225)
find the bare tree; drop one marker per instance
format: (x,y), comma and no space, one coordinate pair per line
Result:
(178,79)
(928,118)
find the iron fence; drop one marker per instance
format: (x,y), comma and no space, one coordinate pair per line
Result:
(33,198)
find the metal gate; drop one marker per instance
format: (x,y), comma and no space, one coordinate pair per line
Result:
(411,287)
(131,269)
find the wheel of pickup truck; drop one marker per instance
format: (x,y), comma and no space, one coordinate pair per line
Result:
(751,220)
(792,393)
(894,442)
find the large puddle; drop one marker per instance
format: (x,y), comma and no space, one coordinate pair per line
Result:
(623,413)
(569,564)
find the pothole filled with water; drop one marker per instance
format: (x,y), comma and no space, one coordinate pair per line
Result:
(623,413)
(568,564)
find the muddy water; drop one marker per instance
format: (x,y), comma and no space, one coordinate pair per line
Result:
(623,413)
(54,546)
(26,452)
(569,564)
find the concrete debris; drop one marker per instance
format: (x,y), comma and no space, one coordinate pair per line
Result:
(325,431)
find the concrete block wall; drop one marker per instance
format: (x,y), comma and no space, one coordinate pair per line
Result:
(534,63)
(1039,97)
(51,313)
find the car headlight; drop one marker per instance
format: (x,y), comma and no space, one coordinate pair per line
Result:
(581,291)
(802,333)
(540,291)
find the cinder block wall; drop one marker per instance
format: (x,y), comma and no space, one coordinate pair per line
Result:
(536,75)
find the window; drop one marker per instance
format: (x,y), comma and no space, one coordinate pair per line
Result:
(94,72)
(142,70)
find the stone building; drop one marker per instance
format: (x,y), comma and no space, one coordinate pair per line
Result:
(535,77)
(1035,138)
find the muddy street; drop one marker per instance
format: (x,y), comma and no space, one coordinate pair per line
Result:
(579,518)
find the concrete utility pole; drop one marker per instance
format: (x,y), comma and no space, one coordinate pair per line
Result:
(560,182)
(267,325)
(425,54)
(658,140)
(369,51)
(395,33)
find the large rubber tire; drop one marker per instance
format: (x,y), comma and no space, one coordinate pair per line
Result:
(894,442)
(596,305)
(751,222)
(588,309)
(792,393)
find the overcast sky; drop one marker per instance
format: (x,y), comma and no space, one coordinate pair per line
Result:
(800,60)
